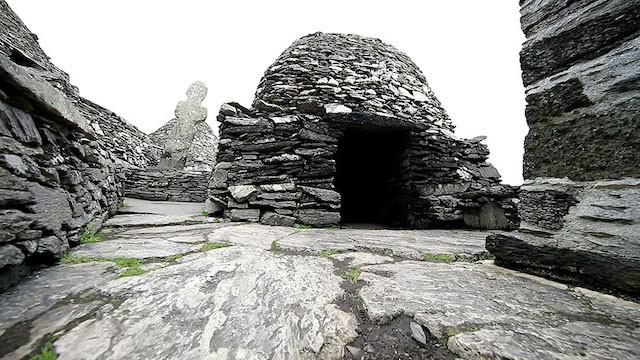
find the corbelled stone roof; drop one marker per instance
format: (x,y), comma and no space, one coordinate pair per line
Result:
(364,74)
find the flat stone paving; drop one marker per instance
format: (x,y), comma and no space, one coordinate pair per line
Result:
(283,293)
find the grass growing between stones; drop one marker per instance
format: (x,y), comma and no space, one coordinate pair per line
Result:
(47,352)
(444,258)
(212,246)
(131,265)
(303,226)
(205,213)
(132,271)
(74,259)
(353,274)
(328,253)
(172,259)
(89,236)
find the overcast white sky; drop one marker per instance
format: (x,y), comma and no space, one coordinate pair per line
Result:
(138,57)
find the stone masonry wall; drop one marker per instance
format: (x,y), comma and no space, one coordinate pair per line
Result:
(130,146)
(166,184)
(580,207)
(280,170)
(55,177)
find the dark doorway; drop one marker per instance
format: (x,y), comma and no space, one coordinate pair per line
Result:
(369,175)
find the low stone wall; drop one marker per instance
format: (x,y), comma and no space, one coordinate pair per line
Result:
(166,184)
(55,178)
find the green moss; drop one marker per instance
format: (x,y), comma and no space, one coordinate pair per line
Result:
(303,226)
(124,206)
(275,246)
(212,246)
(132,271)
(328,253)
(446,258)
(89,236)
(353,274)
(205,213)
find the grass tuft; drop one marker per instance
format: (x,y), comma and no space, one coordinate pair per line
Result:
(47,352)
(89,236)
(212,246)
(353,274)
(445,258)
(127,262)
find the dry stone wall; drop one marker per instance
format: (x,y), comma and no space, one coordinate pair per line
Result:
(166,184)
(280,170)
(55,177)
(130,146)
(277,161)
(580,207)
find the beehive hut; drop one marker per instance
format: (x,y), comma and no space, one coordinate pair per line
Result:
(345,129)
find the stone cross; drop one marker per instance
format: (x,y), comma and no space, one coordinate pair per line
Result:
(188,113)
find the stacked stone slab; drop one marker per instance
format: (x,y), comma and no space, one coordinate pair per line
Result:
(55,177)
(188,142)
(276,161)
(166,184)
(580,207)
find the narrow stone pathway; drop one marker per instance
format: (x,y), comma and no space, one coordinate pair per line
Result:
(161,281)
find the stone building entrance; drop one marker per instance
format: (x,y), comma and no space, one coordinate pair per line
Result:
(369,174)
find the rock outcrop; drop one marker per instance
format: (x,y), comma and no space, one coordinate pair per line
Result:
(187,140)
(580,207)
(334,108)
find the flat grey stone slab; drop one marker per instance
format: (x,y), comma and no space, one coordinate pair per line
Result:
(404,243)
(238,302)
(133,220)
(139,248)
(255,235)
(137,206)
(41,291)
(150,242)
(489,312)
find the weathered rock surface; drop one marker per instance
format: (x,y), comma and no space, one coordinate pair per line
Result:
(488,312)
(209,304)
(261,298)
